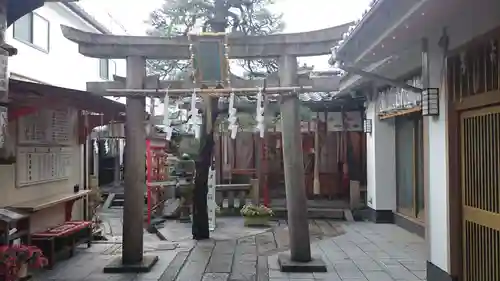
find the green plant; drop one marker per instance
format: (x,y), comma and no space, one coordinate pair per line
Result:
(250,210)
(12,257)
(95,203)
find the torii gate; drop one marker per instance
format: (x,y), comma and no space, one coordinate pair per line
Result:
(135,49)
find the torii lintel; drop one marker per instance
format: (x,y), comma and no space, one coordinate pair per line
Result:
(311,43)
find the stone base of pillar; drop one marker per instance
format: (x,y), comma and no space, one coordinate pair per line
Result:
(117,266)
(288,265)
(434,273)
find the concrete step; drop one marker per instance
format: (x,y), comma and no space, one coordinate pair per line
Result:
(117,200)
(314,213)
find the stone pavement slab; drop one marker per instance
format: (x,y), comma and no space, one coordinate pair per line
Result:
(355,251)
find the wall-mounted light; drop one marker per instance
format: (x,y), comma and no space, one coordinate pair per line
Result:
(430,102)
(367,126)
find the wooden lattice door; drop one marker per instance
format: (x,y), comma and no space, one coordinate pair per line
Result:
(480,182)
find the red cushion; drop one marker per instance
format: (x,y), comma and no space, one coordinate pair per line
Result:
(66,228)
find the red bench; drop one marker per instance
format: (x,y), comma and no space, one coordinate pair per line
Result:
(62,238)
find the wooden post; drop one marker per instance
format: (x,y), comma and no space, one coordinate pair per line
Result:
(255,191)
(316,182)
(5,52)
(114,132)
(354,194)
(87,146)
(296,201)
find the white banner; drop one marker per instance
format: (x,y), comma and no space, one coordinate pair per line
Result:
(211,204)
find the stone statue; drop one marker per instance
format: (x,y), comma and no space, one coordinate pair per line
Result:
(185,170)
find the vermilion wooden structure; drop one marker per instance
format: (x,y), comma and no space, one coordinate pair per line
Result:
(251,156)
(156,173)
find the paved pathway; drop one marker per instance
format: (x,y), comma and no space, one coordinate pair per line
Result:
(353,252)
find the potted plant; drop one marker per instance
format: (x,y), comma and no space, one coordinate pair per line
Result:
(16,259)
(256,215)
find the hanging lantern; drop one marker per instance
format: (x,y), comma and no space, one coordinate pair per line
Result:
(367,126)
(430,102)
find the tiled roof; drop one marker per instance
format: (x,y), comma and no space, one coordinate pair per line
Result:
(353,28)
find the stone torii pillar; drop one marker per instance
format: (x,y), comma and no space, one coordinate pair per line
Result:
(132,259)
(299,259)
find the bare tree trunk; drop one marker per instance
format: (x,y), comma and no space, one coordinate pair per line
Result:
(200,227)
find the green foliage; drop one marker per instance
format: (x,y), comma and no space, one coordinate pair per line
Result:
(250,210)
(189,145)
(180,17)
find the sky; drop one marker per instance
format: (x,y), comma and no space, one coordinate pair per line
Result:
(298,15)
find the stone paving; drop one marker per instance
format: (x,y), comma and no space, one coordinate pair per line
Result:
(357,251)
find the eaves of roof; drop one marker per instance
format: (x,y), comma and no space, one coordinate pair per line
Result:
(374,26)
(75,8)
(374,7)
(18,8)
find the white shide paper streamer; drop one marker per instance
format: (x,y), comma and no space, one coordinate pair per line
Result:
(233,127)
(194,115)
(211,204)
(260,113)
(166,117)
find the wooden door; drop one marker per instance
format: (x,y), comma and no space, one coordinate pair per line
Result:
(480,185)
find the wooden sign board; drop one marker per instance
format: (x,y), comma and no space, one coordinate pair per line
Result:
(210,62)
(36,165)
(55,127)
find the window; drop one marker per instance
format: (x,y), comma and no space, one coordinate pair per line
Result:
(409,166)
(104,69)
(112,65)
(34,30)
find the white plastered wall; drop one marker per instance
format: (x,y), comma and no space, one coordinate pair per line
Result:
(438,231)
(486,17)
(11,194)
(381,162)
